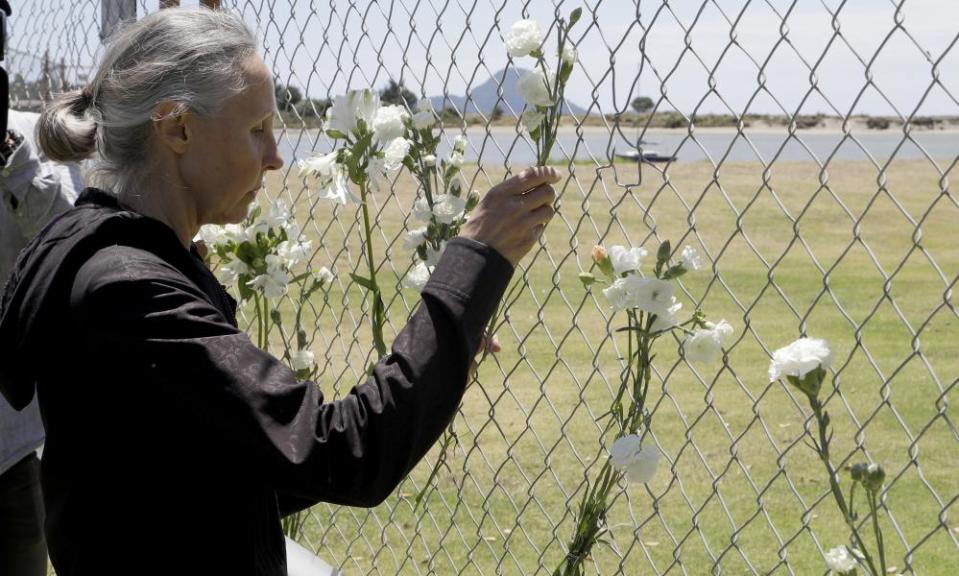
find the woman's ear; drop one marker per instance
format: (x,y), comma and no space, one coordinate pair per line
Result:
(172,127)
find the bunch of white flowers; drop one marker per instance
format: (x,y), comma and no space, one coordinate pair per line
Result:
(840,561)
(442,208)
(259,255)
(542,88)
(651,311)
(629,289)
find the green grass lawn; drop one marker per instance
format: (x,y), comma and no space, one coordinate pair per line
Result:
(864,259)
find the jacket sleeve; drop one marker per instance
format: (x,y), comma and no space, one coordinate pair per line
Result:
(351,451)
(34,190)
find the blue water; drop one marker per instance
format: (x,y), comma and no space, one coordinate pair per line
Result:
(492,148)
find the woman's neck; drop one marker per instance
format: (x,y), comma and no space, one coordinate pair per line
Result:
(170,205)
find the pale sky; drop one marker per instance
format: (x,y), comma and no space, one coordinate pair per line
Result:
(337,47)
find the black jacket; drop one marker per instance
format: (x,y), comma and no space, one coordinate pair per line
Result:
(174,444)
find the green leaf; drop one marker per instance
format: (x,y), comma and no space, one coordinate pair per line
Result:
(587,279)
(565,72)
(574,17)
(364,282)
(537,53)
(336,134)
(663,254)
(674,272)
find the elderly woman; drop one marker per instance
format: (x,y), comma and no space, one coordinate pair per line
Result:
(174,445)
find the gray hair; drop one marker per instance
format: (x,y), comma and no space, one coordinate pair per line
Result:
(192,58)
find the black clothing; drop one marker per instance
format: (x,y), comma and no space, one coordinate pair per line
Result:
(23,551)
(174,444)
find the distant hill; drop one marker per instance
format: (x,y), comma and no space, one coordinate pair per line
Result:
(483,98)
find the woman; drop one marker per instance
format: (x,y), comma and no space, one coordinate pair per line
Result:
(174,445)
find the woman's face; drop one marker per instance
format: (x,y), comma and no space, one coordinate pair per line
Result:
(230,151)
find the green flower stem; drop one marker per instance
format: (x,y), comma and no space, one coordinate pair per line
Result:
(823,450)
(591,517)
(377,315)
(874,509)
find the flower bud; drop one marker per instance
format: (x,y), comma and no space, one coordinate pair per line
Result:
(858,471)
(874,478)
(601,258)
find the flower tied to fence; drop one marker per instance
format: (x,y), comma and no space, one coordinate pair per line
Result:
(804,364)
(651,311)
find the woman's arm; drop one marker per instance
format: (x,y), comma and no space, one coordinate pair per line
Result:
(352,451)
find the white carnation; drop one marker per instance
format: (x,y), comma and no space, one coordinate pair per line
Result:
(524,37)
(337,188)
(417,277)
(294,252)
(626,259)
(351,107)
(414,238)
(800,358)
(569,55)
(448,208)
(628,455)
(395,152)
(691,259)
(429,160)
(531,119)
(534,88)
(233,270)
(668,320)
(273,284)
(459,143)
(421,210)
(324,166)
(302,360)
(840,560)
(213,235)
(650,294)
(325,275)
(389,122)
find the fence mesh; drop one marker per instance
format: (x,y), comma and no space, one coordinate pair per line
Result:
(811,220)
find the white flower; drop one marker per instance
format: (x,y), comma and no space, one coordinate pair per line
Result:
(389,122)
(353,106)
(524,37)
(569,55)
(273,284)
(278,215)
(840,560)
(213,235)
(455,159)
(235,233)
(429,160)
(259,226)
(233,270)
(421,210)
(302,360)
(395,152)
(433,255)
(448,208)
(325,275)
(459,143)
(417,277)
(293,252)
(423,120)
(667,320)
(650,294)
(424,105)
(531,119)
(534,88)
(691,259)
(337,188)
(626,259)
(414,238)
(800,358)
(629,456)
(705,344)
(324,166)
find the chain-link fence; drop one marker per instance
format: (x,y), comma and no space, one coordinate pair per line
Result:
(808,151)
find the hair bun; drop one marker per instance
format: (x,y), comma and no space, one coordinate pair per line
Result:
(66,130)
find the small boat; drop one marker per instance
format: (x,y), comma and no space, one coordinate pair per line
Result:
(645,156)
